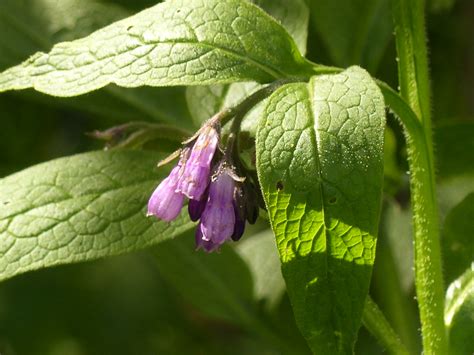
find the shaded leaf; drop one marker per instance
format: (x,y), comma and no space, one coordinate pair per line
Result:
(79,208)
(458,231)
(320,165)
(30,26)
(261,256)
(217,284)
(353,31)
(172,43)
(454,144)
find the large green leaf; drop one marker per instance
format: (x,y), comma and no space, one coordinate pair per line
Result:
(320,165)
(79,208)
(459,313)
(173,43)
(204,101)
(27,27)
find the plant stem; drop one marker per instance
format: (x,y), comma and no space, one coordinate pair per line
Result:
(375,322)
(240,110)
(414,88)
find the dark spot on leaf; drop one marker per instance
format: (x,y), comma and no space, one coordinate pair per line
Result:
(279,185)
(6,202)
(333,200)
(129,28)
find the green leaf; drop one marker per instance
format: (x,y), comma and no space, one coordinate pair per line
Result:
(30,26)
(79,208)
(261,256)
(173,43)
(458,231)
(205,101)
(353,31)
(453,142)
(459,313)
(27,27)
(217,284)
(220,286)
(293,15)
(320,165)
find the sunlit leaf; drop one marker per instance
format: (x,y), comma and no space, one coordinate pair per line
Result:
(320,165)
(79,208)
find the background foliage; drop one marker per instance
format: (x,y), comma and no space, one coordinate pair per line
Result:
(143,302)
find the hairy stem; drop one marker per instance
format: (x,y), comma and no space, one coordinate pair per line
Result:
(375,322)
(414,88)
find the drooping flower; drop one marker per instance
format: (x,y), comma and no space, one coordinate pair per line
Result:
(218,218)
(196,208)
(207,245)
(196,175)
(165,203)
(222,203)
(239,225)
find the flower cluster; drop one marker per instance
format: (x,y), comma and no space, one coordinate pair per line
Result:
(221,200)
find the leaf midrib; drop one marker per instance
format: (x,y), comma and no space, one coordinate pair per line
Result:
(315,138)
(71,197)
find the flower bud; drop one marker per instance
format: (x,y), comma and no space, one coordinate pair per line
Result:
(165,203)
(195,178)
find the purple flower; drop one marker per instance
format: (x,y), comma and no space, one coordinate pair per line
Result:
(165,203)
(195,178)
(196,208)
(218,218)
(207,245)
(239,225)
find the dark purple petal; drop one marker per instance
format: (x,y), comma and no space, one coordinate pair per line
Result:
(239,225)
(218,218)
(196,208)
(195,178)
(207,245)
(165,203)
(251,203)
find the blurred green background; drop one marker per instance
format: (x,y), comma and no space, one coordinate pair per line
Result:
(133,304)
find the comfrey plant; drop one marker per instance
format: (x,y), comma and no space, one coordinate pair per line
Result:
(294,154)
(217,195)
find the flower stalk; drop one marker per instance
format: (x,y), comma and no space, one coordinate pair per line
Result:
(409,19)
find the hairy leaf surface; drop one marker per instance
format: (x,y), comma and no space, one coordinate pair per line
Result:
(320,165)
(204,101)
(173,43)
(77,209)
(30,26)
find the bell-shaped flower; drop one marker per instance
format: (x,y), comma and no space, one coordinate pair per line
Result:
(196,208)
(218,218)
(165,203)
(196,175)
(207,245)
